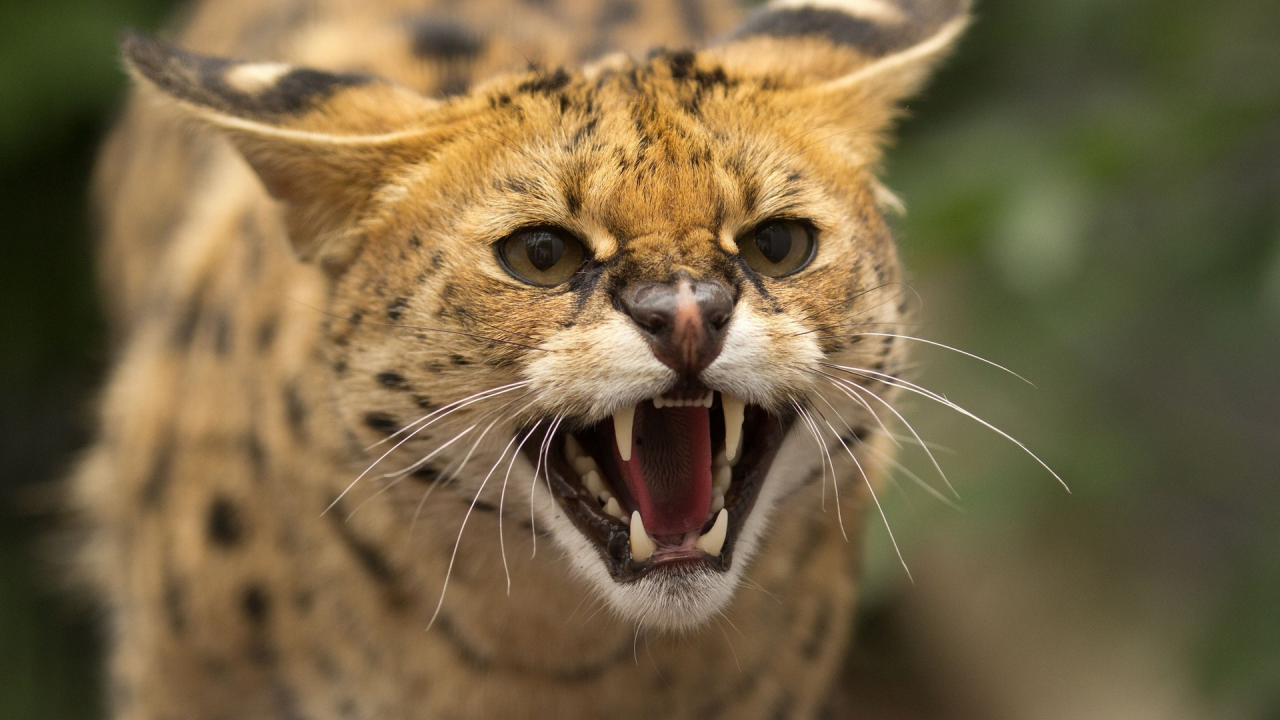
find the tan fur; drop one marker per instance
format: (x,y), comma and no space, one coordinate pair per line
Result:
(277,317)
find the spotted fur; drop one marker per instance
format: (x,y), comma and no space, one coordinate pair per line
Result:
(300,211)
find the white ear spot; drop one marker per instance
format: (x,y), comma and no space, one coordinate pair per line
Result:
(877,10)
(253,78)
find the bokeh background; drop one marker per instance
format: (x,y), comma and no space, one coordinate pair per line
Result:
(1094,201)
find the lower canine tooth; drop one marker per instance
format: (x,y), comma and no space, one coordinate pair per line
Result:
(622,422)
(713,541)
(733,407)
(613,508)
(642,546)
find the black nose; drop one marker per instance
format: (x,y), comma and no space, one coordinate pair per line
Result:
(683,320)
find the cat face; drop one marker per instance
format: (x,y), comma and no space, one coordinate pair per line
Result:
(616,299)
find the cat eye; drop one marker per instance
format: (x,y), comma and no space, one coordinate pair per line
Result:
(778,248)
(541,256)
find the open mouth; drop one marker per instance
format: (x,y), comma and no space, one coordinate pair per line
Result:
(665,483)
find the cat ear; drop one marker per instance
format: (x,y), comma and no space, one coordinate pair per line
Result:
(850,61)
(321,142)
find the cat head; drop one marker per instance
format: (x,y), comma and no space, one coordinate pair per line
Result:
(654,282)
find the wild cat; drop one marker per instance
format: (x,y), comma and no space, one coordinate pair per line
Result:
(498,359)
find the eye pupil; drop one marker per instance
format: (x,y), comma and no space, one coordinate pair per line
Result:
(543,249)
(774,242)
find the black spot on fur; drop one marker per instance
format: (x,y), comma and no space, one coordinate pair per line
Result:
(184,331)
(442,39)
(483,506)
(819,633)
(694,17)
(392,380)
(453,83)
(616,12)
(426,474)
(395,310)
(161,470)
(255,603)
(201,79)
(266,334)
(224,523)
(295,411)
(587,130)
(545,84)
(422,401)
(370,557)
(256,454)
(222,334)
(175,596)
(382,422)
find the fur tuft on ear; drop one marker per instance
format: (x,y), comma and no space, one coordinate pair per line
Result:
(321,142)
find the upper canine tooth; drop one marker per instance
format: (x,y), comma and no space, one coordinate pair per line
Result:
(709,398)
(713,541)
(642,545)
(622,422)
(733,409)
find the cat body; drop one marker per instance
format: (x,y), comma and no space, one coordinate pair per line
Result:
(389,281)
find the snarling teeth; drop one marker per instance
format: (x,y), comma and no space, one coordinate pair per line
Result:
(664,482)
(666,402)
(713,540)
(623,420)
(642,546)
(734,408)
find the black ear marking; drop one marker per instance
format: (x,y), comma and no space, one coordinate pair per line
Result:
(874,36)
(244,89)
(441,39)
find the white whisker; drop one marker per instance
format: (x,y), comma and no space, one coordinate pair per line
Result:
(910,428)
(952,349)
(925,392)
(407,439)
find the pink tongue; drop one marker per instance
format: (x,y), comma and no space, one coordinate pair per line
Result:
(669,473)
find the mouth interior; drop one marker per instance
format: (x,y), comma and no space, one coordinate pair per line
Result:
(668,481)
(669,473)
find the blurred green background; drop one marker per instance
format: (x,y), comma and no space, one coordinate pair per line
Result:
(1094,200)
